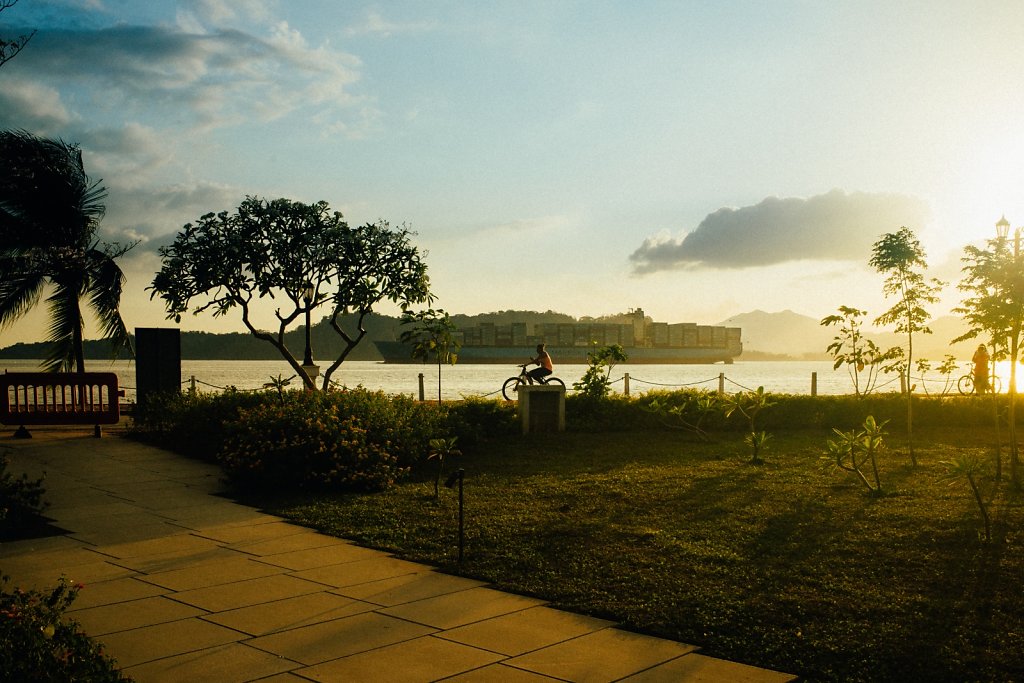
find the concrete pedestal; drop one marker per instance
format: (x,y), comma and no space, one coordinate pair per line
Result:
(542,408)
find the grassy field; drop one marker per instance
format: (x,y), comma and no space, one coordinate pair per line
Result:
(788,565)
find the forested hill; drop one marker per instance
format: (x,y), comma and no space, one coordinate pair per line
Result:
(326,343)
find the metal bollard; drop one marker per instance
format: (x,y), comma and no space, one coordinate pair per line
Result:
(422,394)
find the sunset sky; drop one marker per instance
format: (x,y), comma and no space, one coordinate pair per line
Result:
(695,159)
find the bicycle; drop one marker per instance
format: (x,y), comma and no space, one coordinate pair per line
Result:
(511,386)
(966,385)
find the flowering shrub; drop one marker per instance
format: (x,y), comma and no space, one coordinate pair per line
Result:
(39,645)
(353,439)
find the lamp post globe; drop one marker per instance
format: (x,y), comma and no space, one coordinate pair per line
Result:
(308,296)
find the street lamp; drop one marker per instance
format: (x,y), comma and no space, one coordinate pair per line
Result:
(308,294)
(1002,228)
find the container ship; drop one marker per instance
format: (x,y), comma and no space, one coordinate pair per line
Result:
(644,342)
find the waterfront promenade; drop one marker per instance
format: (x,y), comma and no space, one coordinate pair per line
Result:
(183,584)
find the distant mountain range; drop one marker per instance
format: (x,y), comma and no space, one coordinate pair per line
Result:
(766,336)
(789,334)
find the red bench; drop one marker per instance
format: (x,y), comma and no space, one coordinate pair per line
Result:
(59,398)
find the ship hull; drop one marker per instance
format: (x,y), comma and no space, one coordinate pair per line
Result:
(397,352)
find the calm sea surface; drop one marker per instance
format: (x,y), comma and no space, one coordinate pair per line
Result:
(458,381)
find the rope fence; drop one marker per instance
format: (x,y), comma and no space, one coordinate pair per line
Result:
(720,383)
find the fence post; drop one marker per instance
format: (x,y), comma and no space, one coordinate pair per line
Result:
(422,395)
(625,384)
(721,383)
(814,384)
(192,385)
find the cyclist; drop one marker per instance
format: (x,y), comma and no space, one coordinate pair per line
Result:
(980,360)
(543,360)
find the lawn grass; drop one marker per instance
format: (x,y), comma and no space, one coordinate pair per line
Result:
(785,565)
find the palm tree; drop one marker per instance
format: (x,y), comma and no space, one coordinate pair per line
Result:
(49,214)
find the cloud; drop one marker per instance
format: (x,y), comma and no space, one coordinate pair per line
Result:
(226,76)
(24,104)
(375,24)
(832,226)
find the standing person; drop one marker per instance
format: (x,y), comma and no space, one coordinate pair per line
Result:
(980,360)
(543,360)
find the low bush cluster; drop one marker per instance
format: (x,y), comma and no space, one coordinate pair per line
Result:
(39,644)
(21,498)
(352,440)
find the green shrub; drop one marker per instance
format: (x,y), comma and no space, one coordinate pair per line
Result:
(474,420)
(21,499)
(39,645)
(194,424)
(351,440)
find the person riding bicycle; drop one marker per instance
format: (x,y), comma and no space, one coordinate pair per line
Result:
(543,360)
(980,360)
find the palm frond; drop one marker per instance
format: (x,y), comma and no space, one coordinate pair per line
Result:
(104,289)
(20,289)
(65,328)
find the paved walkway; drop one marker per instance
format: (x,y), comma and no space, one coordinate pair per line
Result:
(184,585)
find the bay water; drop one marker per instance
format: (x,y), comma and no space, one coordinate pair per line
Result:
(461,381)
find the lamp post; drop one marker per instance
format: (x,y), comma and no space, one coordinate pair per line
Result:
(1002,230)
(311,370)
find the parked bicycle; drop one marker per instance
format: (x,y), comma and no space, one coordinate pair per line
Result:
(511,386)
(966,385)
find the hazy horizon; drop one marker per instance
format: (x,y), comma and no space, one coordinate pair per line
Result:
(697,160)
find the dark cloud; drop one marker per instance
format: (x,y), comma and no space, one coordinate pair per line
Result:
(834,226)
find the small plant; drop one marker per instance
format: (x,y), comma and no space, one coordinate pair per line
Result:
(689,415)
(971,468)
(596,381)
(21,499)
(852,449)
(749,404)
(441,450)
(279,384)
(432,334)
(41,645)
(861,356)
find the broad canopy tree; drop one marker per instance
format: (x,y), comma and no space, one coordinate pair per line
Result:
(994,309)
(50,212)
(303,256)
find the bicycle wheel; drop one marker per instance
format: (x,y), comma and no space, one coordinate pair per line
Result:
(966,385)
(553,380)
(995,385)
(509,389)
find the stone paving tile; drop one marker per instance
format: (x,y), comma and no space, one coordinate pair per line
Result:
(606,655)
(280,615)
(499,673)
(228,596)
(413,661)
(165,562)
(361,571)
(224,664)
(525,631)
(182,543)
(201,516)
(212,574)
(250,531)
(696,668)
(324,556)
(408,588)
(286,544)
(82,573)
(98,621)
(339,638)
(166,640)
(120,529)
(113,592)
(465,607)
